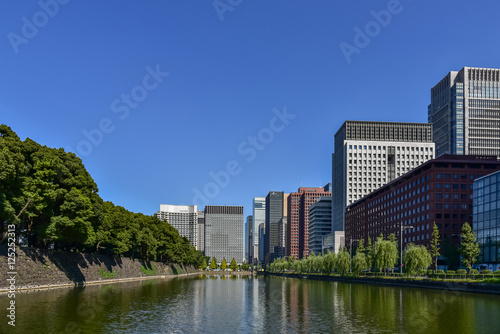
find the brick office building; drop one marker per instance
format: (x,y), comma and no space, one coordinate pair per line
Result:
(439,191)
(297,235)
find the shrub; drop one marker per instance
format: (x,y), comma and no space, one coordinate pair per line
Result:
(450,272)
(149,272)
(440,272)
(107,274)
(497,272)
(430,272)
(486,271)
(474,271)
(461,271)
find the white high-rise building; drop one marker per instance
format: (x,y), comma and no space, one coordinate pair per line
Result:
(184,218)
(369,155)
(224,230)
(259,217)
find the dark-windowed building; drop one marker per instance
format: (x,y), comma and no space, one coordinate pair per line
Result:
(439,191)
(486,219)
(275,210)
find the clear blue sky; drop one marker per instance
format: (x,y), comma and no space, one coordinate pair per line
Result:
(87,66)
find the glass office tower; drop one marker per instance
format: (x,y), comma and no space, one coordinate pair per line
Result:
(486,219)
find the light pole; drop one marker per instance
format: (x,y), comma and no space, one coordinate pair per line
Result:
(351,251)
(401,245)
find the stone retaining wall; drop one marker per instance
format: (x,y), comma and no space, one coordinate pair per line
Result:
(41,268)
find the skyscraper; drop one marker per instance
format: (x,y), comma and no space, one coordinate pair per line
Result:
(465,112)
(320,223)
(184,218)
(249,240)
(259,217)
(298,219)
(275,211)
(201,231)
(370,154)
(224,233)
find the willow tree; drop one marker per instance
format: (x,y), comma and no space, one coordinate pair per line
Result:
(416,258)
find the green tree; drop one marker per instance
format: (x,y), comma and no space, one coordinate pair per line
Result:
(416,258)
(204,265)
(343,262)
(470,247)
(386,253)
(213,265)
(244,266)
(435,245)
(359,261)
(223,265)
(329,261)
(369,254)
(233,265)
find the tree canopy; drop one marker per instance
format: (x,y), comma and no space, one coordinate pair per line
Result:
(54,202)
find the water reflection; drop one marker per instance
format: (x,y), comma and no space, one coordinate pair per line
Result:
(220,304)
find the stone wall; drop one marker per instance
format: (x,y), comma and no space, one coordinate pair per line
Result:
(41,268)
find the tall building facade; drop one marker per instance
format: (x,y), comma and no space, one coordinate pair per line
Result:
(275,211)
(184,218)
(282,236)
(249,240)
(439,191)
(224,233)
(298,219)
(201,231)
(262,229)
(465,112)
(259,217)
(486,219)
(368,155)
(320,223)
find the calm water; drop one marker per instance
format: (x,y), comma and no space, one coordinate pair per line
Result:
(251,305)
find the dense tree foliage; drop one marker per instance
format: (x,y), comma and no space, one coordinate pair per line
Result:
(233,265)
(435,245)
(470,247)
(213,264)
(385,253)
(416,258)
(54,203)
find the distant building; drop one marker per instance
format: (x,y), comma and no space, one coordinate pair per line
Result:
(184,218)
(465,111)
(438,191)
(368,155)
(224,233)
(259,217)
(262,230)
(275,210)
(486,219)
(249,240)
(298,220)
(281,252)
(320,223)
(201,231)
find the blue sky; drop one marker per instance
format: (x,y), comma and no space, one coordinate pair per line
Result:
(169,92)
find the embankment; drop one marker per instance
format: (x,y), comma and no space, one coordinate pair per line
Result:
(403,282)
(37,269)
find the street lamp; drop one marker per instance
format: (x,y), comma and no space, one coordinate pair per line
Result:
(401,245)
(351,251)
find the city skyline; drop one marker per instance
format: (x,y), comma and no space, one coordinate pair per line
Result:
(182,100)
